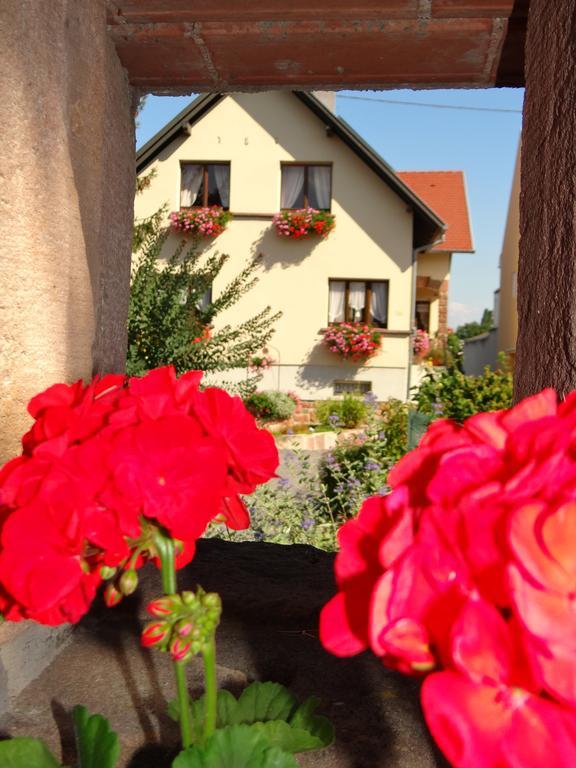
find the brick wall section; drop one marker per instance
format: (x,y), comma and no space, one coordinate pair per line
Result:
(66,201)
(443,308)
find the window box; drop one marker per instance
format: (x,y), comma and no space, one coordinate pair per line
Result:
(353,341)
(303,222)
(202,222)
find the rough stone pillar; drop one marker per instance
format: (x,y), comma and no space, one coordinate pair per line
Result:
(66,198)
(546,348)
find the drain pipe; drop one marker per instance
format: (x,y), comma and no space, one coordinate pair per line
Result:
(415,252)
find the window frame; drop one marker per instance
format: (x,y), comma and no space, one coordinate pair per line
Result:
(297,164)
(204,164)
(367,299)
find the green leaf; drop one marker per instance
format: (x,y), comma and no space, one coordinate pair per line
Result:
(26,753)
(263,701)
(272,711)
(239,746)
(97,744)
(281,734)
(316,725)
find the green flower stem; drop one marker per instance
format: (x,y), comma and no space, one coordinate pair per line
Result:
(210,689)
(165,547)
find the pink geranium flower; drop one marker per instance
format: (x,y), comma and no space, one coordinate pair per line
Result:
(467,571)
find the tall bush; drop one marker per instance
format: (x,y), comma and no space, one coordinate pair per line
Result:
(169,323)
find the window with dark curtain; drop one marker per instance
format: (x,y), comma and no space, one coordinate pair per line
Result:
(205,184)
(306,186)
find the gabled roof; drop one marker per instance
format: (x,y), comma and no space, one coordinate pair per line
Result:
(445,193)
(429,227)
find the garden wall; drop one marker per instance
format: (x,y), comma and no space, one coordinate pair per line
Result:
(67,185)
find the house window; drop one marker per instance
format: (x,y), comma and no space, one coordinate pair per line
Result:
(423,316)
(352,387)
(358,301)
(306,186)
(205,184)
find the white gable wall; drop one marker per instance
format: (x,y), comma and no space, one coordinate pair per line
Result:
(372,239)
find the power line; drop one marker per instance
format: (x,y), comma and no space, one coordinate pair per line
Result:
(431,106)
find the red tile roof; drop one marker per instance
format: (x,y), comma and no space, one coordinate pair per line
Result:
(445,193)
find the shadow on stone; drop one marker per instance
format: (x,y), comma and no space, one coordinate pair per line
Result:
(272,596)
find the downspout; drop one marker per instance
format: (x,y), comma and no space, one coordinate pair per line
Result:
(415,252)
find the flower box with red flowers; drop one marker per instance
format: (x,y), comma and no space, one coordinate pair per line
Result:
(353,341)
(303,222)
(203,222)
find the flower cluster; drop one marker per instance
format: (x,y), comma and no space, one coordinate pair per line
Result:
(353,341)
(467,569)
(261,361)
(206,222)
(303,222)
(185,624)
(103,468)
(421,343)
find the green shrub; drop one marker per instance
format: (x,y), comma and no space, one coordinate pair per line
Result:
(453,395)
(270,406)
(349,412)
(359,468)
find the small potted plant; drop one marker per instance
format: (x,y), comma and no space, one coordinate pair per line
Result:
(420,344)
(303,222)
(203,222)
(353,341)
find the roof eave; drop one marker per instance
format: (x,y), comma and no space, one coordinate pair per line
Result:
(193,112)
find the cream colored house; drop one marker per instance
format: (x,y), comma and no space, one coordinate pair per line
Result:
(387,261)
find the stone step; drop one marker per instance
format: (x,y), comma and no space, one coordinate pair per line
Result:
(26,649)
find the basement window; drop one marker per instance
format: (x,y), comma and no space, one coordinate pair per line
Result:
(352,387)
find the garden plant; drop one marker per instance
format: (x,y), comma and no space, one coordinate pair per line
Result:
(118,473)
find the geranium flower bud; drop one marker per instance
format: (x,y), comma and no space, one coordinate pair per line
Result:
(184,627)
(189,599)
(106,572)
(128,582)
(165,606)
(112,596)
(155,633)
(179,649)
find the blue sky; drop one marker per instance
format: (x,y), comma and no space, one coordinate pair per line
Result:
(482,144)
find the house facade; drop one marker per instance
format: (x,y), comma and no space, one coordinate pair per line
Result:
(387,261)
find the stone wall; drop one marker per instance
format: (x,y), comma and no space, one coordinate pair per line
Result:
(66,198)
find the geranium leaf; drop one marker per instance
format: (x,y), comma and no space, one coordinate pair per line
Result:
(316,725)
(271,710)
(264,701)
(97,744)
(239,746)
(281,734)
(26,753)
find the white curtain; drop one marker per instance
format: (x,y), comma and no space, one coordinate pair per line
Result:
(357,299)
(292,185)
(336,301)
(222,178)
(319,182)
(380,302)
(191,182)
